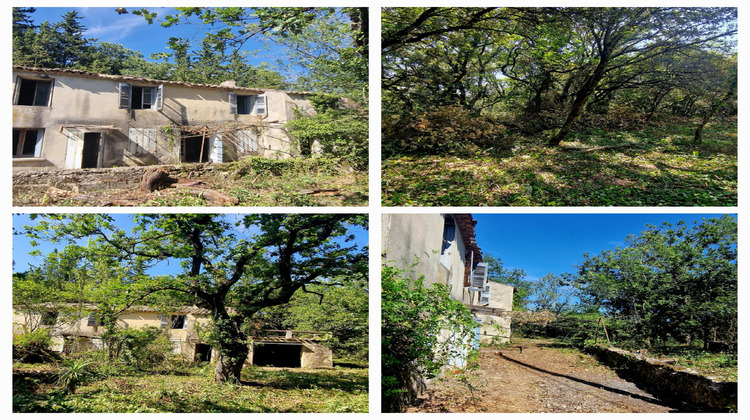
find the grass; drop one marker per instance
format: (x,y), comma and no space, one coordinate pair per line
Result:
(193,390)
(657,166)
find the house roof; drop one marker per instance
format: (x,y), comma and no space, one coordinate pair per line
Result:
(191,310)
(137,79)
(466,225)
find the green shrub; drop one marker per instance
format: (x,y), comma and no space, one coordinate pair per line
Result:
(444,130)
(33,347)
(420,328)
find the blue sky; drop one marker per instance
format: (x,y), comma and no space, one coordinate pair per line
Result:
(545,243)
(133,32)
(22,245)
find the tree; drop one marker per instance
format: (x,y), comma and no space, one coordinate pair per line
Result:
(672,282)
(552,293)
(257,262)
(326,47)
(621,38)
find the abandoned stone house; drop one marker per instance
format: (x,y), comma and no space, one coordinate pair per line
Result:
(72,119)
(443,248)
(275,348)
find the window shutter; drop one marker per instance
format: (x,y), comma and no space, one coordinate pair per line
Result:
(159,101)
(260,105)
(232,103)
(125,92)
(91,322)
(38,145)
(164,321)
(479,281)
(217,150)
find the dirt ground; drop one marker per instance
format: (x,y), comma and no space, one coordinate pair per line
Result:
(537,376)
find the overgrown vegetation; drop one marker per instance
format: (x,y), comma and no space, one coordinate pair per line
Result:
(559,106)
(191,389)
(668,293)
(423,330)
(254,181)
(658,166)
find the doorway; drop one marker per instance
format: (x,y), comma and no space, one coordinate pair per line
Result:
(202,352)
(277,355)
(195,149)
(91,149)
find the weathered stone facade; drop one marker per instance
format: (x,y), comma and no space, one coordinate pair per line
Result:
(72,119)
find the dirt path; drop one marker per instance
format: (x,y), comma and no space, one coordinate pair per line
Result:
(538,377)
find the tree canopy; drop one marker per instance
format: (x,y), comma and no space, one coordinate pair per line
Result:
(540,69)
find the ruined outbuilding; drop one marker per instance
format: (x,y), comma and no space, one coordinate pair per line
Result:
(74,119)
(80,327)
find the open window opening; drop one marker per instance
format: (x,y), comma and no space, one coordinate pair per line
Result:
(34,92)
(27,143)
(277,355)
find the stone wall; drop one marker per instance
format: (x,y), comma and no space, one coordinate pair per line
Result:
(91,180)
(670,382)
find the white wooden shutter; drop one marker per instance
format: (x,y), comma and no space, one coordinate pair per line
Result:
(247,141)
(260,105)
(164,321)
(232,103)
(216,148)
(125,94)
(478,280)
(142,140)
(38,144)
(159,100)
(73,150)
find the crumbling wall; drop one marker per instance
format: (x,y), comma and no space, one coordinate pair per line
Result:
(669,382)
(91,180)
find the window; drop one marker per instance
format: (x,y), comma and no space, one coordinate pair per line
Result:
(93,320)
(141,97)
(142,140)
(178,322)
(449,234)
(175,322)
(27,142)
(248,104)
(33,92)
(49,318)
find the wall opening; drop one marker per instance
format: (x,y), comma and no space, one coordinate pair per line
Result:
(91,147)
(277,355)
(202,352)
(195,149)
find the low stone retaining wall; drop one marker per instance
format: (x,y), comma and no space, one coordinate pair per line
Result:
(90,180)
(670,382)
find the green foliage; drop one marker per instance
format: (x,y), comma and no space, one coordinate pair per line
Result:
(143,348)
(33,346)
(338,132)
(193,390)
(658,166)
(250,263)
(422,330)
(444,130)
(670,282)
(340,309)
(73,374)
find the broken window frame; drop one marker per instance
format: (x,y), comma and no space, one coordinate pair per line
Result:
(22,85)
(21,142)
(172,321)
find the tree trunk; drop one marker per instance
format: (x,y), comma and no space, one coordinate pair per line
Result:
(589,86)
(232,347)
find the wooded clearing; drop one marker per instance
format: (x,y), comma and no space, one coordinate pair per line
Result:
(559,106)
